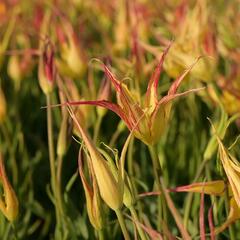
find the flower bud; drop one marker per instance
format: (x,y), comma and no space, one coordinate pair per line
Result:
(93,200)
(14,70)
(109,187)
(8,206)
(46,69)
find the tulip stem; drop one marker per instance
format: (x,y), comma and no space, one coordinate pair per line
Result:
(101,234)
(122,224)
(59,183)
(96,129)
(135,218)
(52,157)
(227,207)
(157,171)
(189,198)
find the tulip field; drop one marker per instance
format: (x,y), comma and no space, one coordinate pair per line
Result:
(119,119)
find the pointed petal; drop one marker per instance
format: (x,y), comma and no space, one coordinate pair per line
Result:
(169,98)
(112,78)
(211,188)
(106,104)
(151,94)
(174,87)
(130,107)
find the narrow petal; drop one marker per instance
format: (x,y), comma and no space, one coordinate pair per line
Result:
(211,188)
(168,98)
(106,104)
(112,78)
(151,94)
(174,87)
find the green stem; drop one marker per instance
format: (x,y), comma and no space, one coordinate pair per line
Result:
(135,217)
(157,171)
(131,177)
(130,158)
(97,128)
(101,234)
(51,145)
(227,207)
(122,224)
(59,183)
(52,156)
(190,195)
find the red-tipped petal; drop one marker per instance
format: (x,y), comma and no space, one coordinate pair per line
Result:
(111,77)
(169,98)
(212,188)
(153,83)
(106,104)
(174,87)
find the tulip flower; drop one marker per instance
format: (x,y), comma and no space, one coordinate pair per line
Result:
(154,113)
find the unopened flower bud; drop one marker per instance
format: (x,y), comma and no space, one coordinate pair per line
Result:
(46,69)
(93,200)
(14,70)
(109,187)
(8,206)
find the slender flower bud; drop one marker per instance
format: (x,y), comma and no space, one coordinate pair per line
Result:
(8,204)
(46,69)
(93,200)
(109,187)
(14,70)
